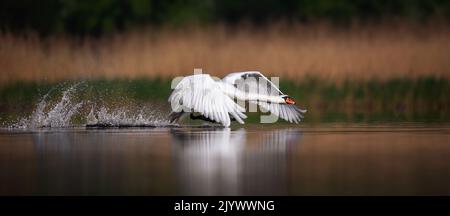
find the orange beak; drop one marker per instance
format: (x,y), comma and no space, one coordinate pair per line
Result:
(289,100)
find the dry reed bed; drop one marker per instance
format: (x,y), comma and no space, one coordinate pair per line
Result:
(288,51)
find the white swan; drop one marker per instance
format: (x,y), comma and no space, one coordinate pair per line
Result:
(213,100)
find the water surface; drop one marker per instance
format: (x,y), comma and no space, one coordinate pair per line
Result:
(322,159)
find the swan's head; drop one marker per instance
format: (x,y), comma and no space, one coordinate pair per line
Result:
(288,100)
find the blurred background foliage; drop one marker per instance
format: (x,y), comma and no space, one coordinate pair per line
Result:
(363,66)
(103,16)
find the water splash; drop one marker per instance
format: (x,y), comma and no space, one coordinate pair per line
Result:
(71,110)
(122,117)
(58,115)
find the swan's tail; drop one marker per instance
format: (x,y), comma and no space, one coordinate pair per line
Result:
(175,116)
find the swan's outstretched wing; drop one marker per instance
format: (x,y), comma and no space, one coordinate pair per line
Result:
(255,82)
(288,112)
(200,93)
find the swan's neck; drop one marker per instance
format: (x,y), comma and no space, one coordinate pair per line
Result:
(247,96)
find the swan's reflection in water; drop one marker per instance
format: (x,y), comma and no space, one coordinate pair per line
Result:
(227,162)
(381,160)
(147,161)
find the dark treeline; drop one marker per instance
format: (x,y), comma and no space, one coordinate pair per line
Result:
(94,17)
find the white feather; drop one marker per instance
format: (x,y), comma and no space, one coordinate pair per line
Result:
(214,99)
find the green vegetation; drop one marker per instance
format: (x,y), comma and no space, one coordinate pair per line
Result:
(94,17)
(423,99)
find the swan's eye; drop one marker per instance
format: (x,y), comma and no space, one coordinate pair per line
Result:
(289,100)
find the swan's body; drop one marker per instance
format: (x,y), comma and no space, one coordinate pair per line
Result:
(213,100)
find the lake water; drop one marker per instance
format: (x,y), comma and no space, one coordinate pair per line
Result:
(322,159)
